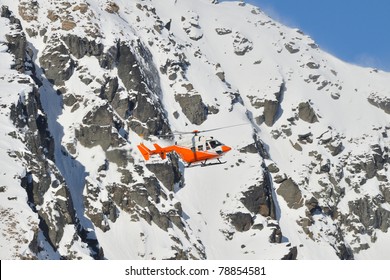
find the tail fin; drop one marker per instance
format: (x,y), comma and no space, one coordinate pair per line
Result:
(160,151)
(144,151)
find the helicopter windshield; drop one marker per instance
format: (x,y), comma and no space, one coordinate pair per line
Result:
(215,143)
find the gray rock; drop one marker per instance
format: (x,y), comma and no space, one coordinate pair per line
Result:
(223,31)
(122,106)
(312,205)
(241,221)
(368,216)
(382,102)
(291,47)
(335,147)
(276,235)
(79,47)
(108,60)
(168,172)
(129,70)
(258,199)
(144,109)
(102,116)
(17,46)
(193,107)
(241,44)
(313,65)
(69,99)
(153,188)
(118,156)
(291,193)
(57,62)
(306,112)
(160,219)
(251,149)
(109,89)
(305,138)
(273,168)
(271,108)
(292,254)
(94,135)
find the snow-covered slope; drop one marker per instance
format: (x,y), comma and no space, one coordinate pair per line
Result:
(84,81)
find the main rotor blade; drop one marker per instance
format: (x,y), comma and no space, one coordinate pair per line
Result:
(223,127)
(195,132)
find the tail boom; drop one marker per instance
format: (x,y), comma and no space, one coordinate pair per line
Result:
(162,152)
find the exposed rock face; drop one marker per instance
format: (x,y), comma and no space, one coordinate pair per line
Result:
(258,199)
(270,109)
(56,61)
(306,112)
(292,255)
(112,7)
(191,26)
(17,41)
(28,10)
(79,47)
(241,44)
(168,173)
(26,115)
(271,105)
(193,107)
(142,107)
(291,193)
(104,89)
(241,221)
(381,102)
(371,218)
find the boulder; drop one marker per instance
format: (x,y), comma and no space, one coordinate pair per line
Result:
(291,193)
(241,221)
(306,112)
(291,47)
(271,108)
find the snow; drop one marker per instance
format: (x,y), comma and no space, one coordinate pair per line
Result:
(209,195)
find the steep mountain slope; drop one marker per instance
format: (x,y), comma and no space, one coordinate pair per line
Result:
(84,81)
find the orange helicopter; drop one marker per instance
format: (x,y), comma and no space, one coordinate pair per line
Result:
(198,149)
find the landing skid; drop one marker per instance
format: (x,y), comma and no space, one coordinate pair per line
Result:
(205,163)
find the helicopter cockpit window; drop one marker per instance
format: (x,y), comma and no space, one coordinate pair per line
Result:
(215,143)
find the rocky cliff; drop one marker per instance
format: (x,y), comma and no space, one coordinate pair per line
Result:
(85,81)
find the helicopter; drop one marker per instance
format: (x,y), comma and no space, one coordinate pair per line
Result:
(198,149)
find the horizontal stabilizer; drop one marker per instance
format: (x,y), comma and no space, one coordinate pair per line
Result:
(144,151)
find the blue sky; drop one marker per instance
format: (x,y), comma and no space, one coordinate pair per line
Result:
(356,31)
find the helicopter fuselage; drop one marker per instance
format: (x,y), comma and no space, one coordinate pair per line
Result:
(198,149)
